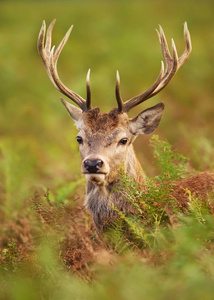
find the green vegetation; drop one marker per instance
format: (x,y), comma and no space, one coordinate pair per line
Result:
(48,246)
(154,206)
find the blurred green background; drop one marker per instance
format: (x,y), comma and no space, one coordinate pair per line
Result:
(37,137)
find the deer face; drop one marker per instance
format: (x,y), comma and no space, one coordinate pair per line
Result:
(105,140)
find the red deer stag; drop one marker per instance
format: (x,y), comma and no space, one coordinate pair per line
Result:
(105,140)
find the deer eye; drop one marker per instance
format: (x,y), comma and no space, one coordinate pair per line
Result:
(79,140)
(123,141)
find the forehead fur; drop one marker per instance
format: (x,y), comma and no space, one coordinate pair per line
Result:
(103,122)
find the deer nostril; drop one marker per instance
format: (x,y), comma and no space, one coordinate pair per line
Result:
(92,166)
(99,164)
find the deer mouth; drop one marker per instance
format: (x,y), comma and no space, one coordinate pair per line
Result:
(98,178)
(95,173)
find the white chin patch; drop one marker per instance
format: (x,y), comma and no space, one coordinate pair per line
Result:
(98,178)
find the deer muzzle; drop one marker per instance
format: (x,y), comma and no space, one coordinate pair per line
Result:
(93,165)
(95,169)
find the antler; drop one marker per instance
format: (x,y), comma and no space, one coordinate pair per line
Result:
(50,57)
(173,64)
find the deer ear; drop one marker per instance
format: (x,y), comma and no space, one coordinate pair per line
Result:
(147,121)
(74,112)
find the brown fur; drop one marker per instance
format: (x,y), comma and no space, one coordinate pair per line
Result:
(200,186)
(101,122)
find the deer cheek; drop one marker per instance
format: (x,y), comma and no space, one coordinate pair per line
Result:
(117,161)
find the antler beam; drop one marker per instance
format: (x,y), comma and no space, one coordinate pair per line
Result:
(172,65)
(50,57)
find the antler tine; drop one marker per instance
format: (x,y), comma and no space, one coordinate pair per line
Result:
(44,51)
(41,40)
(117,92)
(88,90)
(164,46)
(171,69)
(172,65)
(50,58)
(188,47)
(49,36)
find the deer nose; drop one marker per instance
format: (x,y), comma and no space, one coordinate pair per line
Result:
(92,166)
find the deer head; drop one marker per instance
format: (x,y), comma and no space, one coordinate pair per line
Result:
(105,140)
